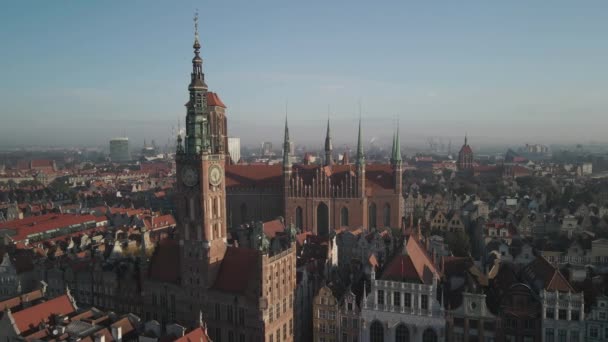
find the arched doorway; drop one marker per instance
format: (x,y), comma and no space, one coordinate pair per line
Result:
(322,219)
(387,215)
(429,335)
(299,219)
(402,334)
(344,217)
(372,216)
(376,332)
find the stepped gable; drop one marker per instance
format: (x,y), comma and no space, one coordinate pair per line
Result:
(238,270)
(31,317)
(164,264)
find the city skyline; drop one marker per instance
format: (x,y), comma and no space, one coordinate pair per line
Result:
(501,73)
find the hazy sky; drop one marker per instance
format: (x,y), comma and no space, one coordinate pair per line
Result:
(86,71)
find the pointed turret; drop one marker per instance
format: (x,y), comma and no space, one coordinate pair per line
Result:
(328,146)
(360,155)
(286,148)
(197,123)
(396,155)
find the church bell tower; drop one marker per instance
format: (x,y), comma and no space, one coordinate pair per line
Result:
(200,194)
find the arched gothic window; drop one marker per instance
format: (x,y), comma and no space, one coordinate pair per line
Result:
(429,335)
(376,332)
(402,334)
(372,215)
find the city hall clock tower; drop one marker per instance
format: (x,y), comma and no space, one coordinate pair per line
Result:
(200,194)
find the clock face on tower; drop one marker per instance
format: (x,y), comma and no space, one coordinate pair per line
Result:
(215,175)
(190,176)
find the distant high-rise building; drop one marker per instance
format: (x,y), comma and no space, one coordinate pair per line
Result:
(119,149)
(234,149)
(266,148)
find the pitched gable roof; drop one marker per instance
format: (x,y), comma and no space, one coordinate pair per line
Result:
(196,335)
(413,266)
(542,272)
(32,316)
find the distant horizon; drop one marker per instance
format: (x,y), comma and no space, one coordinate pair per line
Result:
(502,73)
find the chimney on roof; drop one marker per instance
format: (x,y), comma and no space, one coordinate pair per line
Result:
(100,338)
(175,330)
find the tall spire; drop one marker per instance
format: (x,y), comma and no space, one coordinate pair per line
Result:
(198,78)
(360,155)
(328,145)
(286,146)
(396,147)
(465,139)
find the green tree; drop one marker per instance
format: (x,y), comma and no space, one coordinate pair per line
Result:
(459,243)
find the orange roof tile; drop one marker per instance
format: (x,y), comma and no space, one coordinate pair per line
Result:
(271,228)
(30,317)
(214,100)
(196,335)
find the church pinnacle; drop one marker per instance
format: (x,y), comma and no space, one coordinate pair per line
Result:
(286,147)
(328,146)
(396,151)
(360,155)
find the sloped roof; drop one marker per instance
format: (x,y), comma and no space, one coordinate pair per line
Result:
(196,335)
(549,276)
(413,266)
(32,316)
(271,228)
(214,100)
(253,175)
(238,270)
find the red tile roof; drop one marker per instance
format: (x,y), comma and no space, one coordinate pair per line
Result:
(196,335)
(271,228)
(39,224)
(253,175)
(550,277)
(238,270)
(214,100)
(415,265)
(401,268)
(30,317)
(20,299)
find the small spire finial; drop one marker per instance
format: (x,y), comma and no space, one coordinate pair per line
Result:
(196,23)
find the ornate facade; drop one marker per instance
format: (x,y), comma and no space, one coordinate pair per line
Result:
(319,198)
(244,293)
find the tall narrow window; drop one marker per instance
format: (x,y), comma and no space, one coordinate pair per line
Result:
(344,217)
(387,215)
(372,215)
(243,212)
(299,220)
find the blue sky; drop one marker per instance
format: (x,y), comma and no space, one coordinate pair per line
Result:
(85,71)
